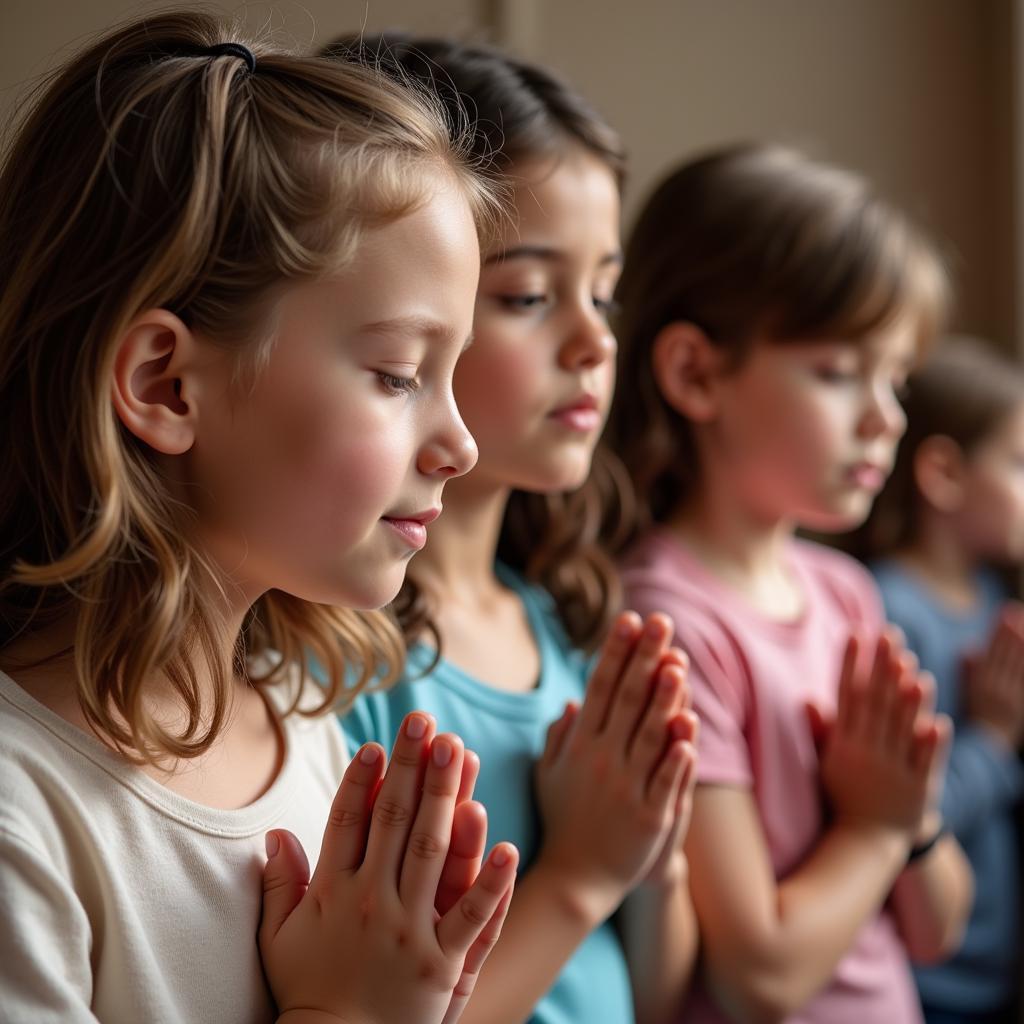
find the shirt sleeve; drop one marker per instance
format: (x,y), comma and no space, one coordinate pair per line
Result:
(45,940)
(718,682)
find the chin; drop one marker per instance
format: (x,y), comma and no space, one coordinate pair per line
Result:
(836,520)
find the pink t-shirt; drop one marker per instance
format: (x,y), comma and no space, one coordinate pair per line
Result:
(751,677)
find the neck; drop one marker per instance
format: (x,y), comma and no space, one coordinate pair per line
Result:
(937,555)
(457,564)
(742,546)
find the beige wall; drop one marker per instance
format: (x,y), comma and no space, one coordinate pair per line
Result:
(914,93)
(918,94)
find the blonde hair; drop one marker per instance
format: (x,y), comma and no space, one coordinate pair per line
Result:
(152,173)
(755,242)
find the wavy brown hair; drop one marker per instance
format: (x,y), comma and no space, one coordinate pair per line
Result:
(755,242)
(149,172)
(515,112)
(965,391)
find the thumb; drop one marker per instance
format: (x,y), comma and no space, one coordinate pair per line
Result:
(820,727)
(557,732)
(285,880)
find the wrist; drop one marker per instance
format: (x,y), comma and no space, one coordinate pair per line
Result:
(926,842)
(587,902)
(888,839)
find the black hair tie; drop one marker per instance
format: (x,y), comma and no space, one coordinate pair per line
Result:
(234,50)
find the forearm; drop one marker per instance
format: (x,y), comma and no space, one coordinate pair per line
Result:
(932,900)
(817,913)
(659,934)
(547,921)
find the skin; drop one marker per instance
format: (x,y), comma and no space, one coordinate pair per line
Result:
(541,331)
(803,434)
(295,483)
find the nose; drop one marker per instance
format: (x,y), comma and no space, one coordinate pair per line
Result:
(883,415)
(589,342)
(450,450)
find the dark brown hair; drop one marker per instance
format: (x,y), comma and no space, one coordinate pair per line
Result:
(965,391)
(150,172)
(516,111)
(754,242)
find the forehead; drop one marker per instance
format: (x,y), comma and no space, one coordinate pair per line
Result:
(573,195)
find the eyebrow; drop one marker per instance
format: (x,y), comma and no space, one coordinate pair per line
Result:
(414,326)
(544,252)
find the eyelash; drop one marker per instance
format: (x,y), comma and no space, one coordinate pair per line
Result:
(397,385)
(523,303)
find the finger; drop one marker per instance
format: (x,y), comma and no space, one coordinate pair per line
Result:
(928,695)
(427,849)
(465,922)
(344,842)
(820,726)
(285,880)
(684,795)
(884,679)
(653,736)
(465,855)
(634,691)
(923,750)
(610,664)
(896,722)
(558,730)
(847,681)
(399,796)
(475,958)
(470,773)
(665,782)
(908,710)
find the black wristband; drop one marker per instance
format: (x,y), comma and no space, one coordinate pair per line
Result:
(919,850)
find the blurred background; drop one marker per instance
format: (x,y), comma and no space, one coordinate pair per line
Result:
(922,96)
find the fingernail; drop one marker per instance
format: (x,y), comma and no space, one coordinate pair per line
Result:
(499,857)
(273,844)
(654,628)
(441,753)
(368,755)
(416,727)
(624,629)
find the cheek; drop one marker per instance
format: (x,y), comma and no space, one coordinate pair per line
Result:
(496,389)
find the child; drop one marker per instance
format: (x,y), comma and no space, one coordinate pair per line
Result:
(771,309)
(953,511)
(511,585)
(218,425)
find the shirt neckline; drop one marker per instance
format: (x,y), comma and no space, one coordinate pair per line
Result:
(255,817)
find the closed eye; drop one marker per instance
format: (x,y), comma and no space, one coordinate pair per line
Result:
(397,385)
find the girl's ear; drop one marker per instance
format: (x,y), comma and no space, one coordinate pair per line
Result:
(154,380)
(687,367)
(939,472)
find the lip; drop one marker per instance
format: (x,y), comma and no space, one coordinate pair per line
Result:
(412,528)
(868,475)
(582,414)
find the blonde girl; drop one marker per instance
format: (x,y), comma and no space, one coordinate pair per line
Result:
(511,588)
(950,518)
(772,308)
(234,286)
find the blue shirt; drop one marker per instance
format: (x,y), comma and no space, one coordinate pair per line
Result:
(983,783)
(507,730)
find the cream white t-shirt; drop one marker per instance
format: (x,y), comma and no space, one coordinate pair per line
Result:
(122,901)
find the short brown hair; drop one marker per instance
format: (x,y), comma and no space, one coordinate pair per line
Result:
(755,242)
